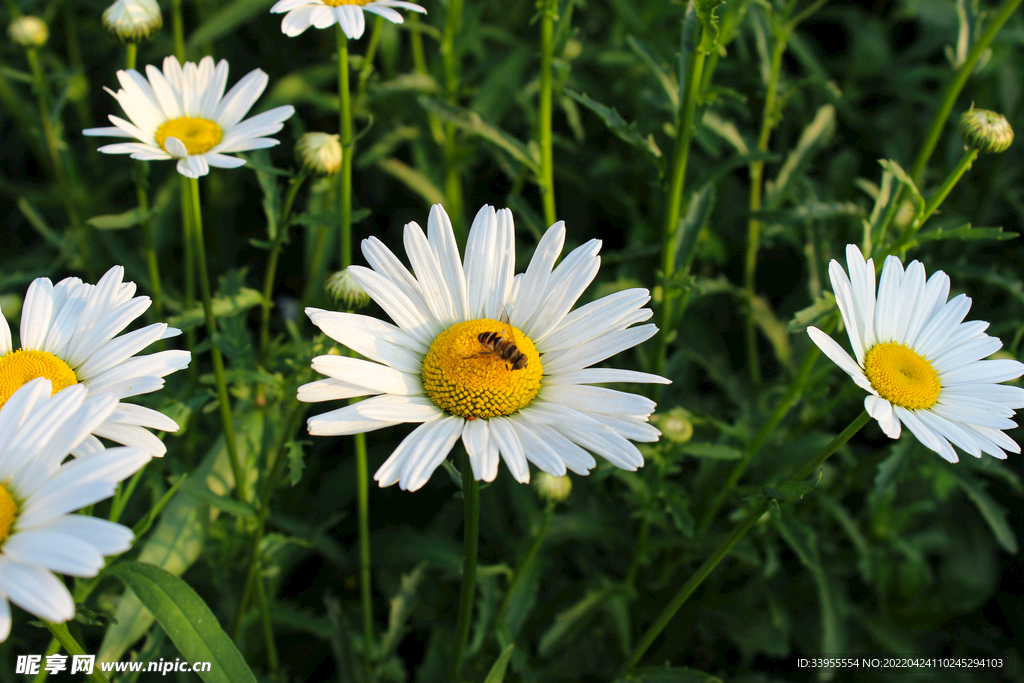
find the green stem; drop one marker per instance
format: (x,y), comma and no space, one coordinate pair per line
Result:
(674,197)
(268,624)
(725,546)
(347,150)
(52,649)
(189,294)
(547,173)
(526,566)
(130,54)
(275,255)
(365,580)
(935,200)
(178,25)
(754,225)
(956,85)
(71,646)
(470,541)
(124,494)
(452,181)
(218,361)
(419,60)
(371,52)
(59,174)
(767,429)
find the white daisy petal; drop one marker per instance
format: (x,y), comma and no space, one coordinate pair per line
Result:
(54,551)
(297,21)
(384,11)
(375,339)
(598,349)
(476,437)
(505,438)
(395,304)
(427,450)
(441,236)
(379,379)
(536,449)
(36,313)
(567,283)
(431,280)
(36,591)
(838,356)
(538,273)
(928,437)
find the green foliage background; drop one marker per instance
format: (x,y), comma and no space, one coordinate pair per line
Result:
(895,552)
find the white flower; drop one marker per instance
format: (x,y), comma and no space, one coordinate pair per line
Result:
(921,364)
(183,114)
(68,336)
(347,13)
(38,533)
(28,31)
(133,20)
(519,388)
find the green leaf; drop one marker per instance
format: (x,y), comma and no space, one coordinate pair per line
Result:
(224,503)
(815,313)
(627,132)
(773,328)
(413,179)
(697,215)
(296,461)
(268,185)
(223,307)
(994,514)
(794,490)
(226,21)
(142,526)
(178,538)
(657,67)
(904,178)
(677,505)
(186,620)
(569,620)
(814,138)
(713,451)
(474,124)
(497,672)
(966,232)
(117,221)
(401,607)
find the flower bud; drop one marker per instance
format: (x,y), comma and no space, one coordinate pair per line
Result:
(133,21)
(675,425)
(985,131)
(319,152)
(552,489)
(28,31)
(345,290)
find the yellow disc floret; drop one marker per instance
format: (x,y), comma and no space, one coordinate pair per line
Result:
(24,365)
(198,135)
(8,512)
(465,376)
(901,376)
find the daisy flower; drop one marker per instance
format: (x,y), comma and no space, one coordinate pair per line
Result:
(69,337)
(346,13)
(184,114)
(920,363)
(38,533)
(518,387)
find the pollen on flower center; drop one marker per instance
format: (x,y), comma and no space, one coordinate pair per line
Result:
(901,376)
(24,365)
(198,135)
(465,376)
(336,3)
(8,512)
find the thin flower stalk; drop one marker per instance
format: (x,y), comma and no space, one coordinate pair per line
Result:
(470,542)
(723,549)
(72,647)
(275,255)
(676,188)
(241,483)
(547,174)
(178,28)
(956,85)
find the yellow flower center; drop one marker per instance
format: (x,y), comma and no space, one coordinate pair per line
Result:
(482,369)
(198,135)
(335,3)
(901,376)
(8,512)
(24,365)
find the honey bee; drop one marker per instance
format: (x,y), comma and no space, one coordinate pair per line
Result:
(502,344)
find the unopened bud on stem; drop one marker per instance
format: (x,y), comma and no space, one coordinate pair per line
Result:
(28,31)
(985,131)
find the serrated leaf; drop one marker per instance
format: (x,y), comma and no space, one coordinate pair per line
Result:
(966,232)
(904,178)
(497,672)
(186,620)
(474,124)
(794,490)
(806,317)
(713,451)
(627,132)
(223,307)
(117,221)
(296,460)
